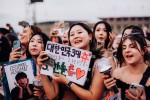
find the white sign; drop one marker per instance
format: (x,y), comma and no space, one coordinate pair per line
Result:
(69,61)
(22,66)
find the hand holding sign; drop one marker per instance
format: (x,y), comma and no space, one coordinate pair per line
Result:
(60,78)
(72,63)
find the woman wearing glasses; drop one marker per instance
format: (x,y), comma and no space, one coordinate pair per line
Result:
(132,51)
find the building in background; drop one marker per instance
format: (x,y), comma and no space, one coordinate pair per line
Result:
(119,23)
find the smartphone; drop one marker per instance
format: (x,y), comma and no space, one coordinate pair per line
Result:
(17,44)
(57,32)
(133,87)
(50,61)
(100,44)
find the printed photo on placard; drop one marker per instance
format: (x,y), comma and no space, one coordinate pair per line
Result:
(19,75)
(69,61)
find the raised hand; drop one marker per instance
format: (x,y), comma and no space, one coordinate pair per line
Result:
(18,85)
(15,55)
(111,38)
(41,58)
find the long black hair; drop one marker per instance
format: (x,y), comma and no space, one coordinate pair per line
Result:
(5,49)
(108,30)
(44,38)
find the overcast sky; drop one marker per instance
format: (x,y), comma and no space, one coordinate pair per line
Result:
(13,11)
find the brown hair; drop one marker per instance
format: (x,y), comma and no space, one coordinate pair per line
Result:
(35,29)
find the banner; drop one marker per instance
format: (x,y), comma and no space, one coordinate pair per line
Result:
(69,61)
(11,70)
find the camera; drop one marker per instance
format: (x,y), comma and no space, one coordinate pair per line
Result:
(105,68)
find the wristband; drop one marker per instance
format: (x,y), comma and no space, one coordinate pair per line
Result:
(69,84)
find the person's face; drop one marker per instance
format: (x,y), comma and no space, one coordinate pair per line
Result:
(100,32)
(54,39)
(80,38)
(132,53)
(65,38)
(36,45)
(25,35)
(127,32)
(22,82)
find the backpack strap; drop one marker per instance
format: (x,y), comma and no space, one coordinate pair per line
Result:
(145,77)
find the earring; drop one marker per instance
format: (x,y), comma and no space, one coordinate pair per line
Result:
(90,41)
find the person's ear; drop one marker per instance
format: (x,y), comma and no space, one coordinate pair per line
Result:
(145,50)
(90,36)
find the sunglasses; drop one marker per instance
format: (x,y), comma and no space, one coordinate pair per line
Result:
(24,24)
(136,35)
(132,34)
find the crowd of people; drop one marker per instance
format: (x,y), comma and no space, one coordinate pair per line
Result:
(128,54)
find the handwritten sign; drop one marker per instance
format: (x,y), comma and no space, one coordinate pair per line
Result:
(21,66)
(69,61)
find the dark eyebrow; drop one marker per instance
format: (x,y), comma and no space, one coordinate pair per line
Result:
(72,32)
(40,39)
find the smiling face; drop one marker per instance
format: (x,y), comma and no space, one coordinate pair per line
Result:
(25,35)
(132,52)
(65,38)
(100,32)
(36,45)
(80,38)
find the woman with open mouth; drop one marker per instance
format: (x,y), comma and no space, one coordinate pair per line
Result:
(131,51)
(60,87)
